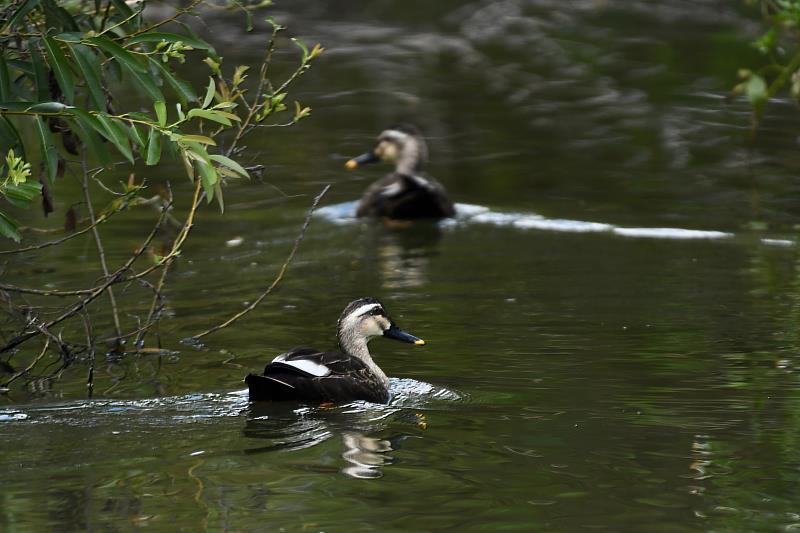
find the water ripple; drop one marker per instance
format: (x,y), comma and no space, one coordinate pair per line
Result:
(344,213)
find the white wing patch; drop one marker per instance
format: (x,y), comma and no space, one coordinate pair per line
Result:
(422,182)
(393,189)
(304,365)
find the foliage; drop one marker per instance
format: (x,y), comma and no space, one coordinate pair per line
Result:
(63,69)
(60,62)
(779,46)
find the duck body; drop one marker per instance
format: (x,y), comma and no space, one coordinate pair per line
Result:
(404,197)
(407,193)
(310,375)
(306,374)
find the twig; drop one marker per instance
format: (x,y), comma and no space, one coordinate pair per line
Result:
(178,13)
(277,279)
(156,302)
(96,292)
(102,218)
(100,249)
(30,366)
(44,292)
(262,80)
(87,325)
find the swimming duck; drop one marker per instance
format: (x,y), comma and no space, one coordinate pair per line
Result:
(306,374)
(407,193)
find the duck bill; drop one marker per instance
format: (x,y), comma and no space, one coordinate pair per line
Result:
(363,159)
(399,335)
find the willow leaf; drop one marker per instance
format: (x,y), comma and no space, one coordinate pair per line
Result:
(58,61)
(10,138)
(209,92)
(49,151)
(230,163)
(40,75)
(182,88)
(117,134)
(5,81)
(201,139)
(209,114)
(8,227)
(20,13)
(90,139)
(208,177)
(89,65)
(115,51)
(153,148)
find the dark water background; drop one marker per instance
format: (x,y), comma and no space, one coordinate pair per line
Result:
(621,377)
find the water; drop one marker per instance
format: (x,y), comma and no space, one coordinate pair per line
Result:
(610,320)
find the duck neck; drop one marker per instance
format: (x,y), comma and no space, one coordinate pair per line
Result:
(411,159)
(357,347)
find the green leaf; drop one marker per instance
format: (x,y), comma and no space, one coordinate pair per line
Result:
(122,7)
(230,163)
(136,135)
(49,151)
(161,112)
(182,88)
(23,66)
(117,134)
(48,107)
(89,65)
(218,191)
(90,138)
(9,138)
(58,62)
(153,148)
(5,80)
(40,75)
(22,194)
(208,114)
(131,64)
(8,227)
(58,17)
(212,87)
(20,13)
(115,51)
(208,177)
(157,37)
(201,139)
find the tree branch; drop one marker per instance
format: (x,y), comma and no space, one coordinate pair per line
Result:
(277,279)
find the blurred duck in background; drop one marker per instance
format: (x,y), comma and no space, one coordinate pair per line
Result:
(407,193)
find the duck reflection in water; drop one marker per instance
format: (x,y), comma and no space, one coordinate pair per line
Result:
(365,455)
(283,427)
(402,256)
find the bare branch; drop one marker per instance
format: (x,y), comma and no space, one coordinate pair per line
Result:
(30,366)
(100,248)
(277,279)
(102,218)
(95,293)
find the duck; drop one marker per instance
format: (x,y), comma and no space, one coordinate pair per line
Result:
(407,193)
(309,375)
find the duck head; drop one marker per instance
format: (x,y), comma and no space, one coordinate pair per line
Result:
(401,145)
(364,319)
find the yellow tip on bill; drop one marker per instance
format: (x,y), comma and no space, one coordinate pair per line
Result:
(419,342)
(350,165)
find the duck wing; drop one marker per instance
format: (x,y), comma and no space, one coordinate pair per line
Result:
(406,197)
(306,374)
